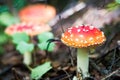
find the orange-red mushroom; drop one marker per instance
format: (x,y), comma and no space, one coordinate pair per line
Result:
(83,37)
(37,13)
(28,28)
(31,30)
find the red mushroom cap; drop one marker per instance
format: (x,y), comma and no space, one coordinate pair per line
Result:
(37,13)
(28,28)
(83,36)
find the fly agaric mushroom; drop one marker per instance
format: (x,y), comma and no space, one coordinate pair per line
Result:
(37,13)
(83,38)
(28,28)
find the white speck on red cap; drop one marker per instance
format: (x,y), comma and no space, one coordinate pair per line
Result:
(78,30)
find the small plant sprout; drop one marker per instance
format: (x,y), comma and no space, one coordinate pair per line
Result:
(6,19)
(23,46)
(43,44)
(83,38)
(37,13)
(37,72)
(26,51)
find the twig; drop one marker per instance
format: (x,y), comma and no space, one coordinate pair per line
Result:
(5,70)
(95,66)
(71,57)
(105,54)
(109,75)
(16,75)
(68,76)
(65,14)
(112,60)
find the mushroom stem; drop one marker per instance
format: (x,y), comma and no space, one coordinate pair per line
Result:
(27,58)
(82,62)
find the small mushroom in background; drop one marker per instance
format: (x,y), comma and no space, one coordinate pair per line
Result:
(37,13)
(31,30)
(83,38)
